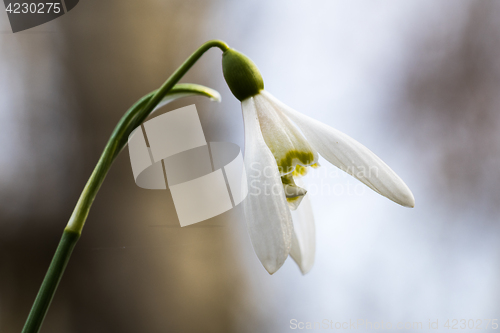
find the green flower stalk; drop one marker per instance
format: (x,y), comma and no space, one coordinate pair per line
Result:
(169,91)
(281,144)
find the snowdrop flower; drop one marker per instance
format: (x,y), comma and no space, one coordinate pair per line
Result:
(280,144)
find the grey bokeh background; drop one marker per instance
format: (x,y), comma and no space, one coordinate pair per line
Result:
(415,81)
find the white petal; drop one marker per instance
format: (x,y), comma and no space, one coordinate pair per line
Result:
(350,156)
(304,238)
(285,141)
(266,210)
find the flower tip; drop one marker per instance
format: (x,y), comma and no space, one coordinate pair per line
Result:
(411,200)
(272,266)
(408,201)
(271,270)
(304,266)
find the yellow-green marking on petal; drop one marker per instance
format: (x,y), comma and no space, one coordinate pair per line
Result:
(293,159)
(301,170)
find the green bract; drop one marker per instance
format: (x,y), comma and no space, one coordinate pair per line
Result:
(241,74)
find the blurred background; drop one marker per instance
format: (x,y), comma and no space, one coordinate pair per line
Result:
(416,81)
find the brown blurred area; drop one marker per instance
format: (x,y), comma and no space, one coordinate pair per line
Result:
(133,270)
(450,105)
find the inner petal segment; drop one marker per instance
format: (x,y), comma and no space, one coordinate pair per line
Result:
(287,144)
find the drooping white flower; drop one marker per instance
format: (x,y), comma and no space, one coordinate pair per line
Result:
(280,143)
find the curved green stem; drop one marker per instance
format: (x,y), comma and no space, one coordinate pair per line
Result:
(136,115)
(132,118)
